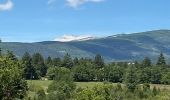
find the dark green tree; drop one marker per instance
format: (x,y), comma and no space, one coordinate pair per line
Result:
(113,73)
(63,86)
(76,61)
(161,60)
(38,63)
(29,70)
(49,62)
(144,75)
(166,78)
(131,79)
(99,62)
(67,61)
(146,62)
(12,84)
(10,55)
(0,49)
(56,62)
(84,72)
(0,52)
(156,75)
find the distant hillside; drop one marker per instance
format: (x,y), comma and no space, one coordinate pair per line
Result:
(116,47)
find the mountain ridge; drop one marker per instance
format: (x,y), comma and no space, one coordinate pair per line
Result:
(116,47)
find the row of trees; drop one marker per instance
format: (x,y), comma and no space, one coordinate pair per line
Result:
(14,72)
(64,88)
(84,69)
(36,66)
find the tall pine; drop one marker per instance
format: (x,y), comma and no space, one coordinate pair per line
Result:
(67,61)
(161,60)
(49,62)
(99,61)
(146,62)
(38,63)
(131,79)
(0,49)
(10,55)
(29,70)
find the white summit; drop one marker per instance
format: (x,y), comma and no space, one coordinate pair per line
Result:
(68,38)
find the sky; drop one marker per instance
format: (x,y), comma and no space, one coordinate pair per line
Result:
(48,20)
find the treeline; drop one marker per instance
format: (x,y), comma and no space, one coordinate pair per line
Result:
(64,72)
(85,70)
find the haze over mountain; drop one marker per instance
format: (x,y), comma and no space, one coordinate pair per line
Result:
(116,47)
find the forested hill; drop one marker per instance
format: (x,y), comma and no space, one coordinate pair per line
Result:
(116,47)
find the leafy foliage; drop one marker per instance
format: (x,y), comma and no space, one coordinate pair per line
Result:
(12,84)
(62,86)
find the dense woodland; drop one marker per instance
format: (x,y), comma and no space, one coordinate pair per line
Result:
(133,78)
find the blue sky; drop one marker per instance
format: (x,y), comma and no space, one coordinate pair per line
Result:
(45,20)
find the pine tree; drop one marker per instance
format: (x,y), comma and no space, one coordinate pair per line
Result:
(0,52)
(49,61)
(161,60)
(29,70)
(56,62)
(99,61)
(11,56)
(38,63)
(76,61)
(130,78)
(67,61)
(146,62)
(0,49)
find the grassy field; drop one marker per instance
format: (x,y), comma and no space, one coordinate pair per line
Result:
(45,83)
(36,84)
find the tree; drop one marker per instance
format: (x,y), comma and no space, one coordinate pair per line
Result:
(11,56)
(49,61)
(12,84)
(56,62)
(63,86)
(38,63)
(113,73)
(146,62)
(166,78)
(0,52)
(156,75)
(29,69)
(99,61)
(84,72)
(130,78)
(51,73)
(76,61)
(161,60)
(0,49)
(144,75)
(67,61)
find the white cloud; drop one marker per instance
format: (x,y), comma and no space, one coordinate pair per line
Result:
(51,2)
(67,38)
(6,6)
(76,3)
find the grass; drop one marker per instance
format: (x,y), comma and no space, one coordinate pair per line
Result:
(45,83)
(87,84)
(34,85)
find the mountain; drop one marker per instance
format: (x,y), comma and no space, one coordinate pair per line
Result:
(120,47)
